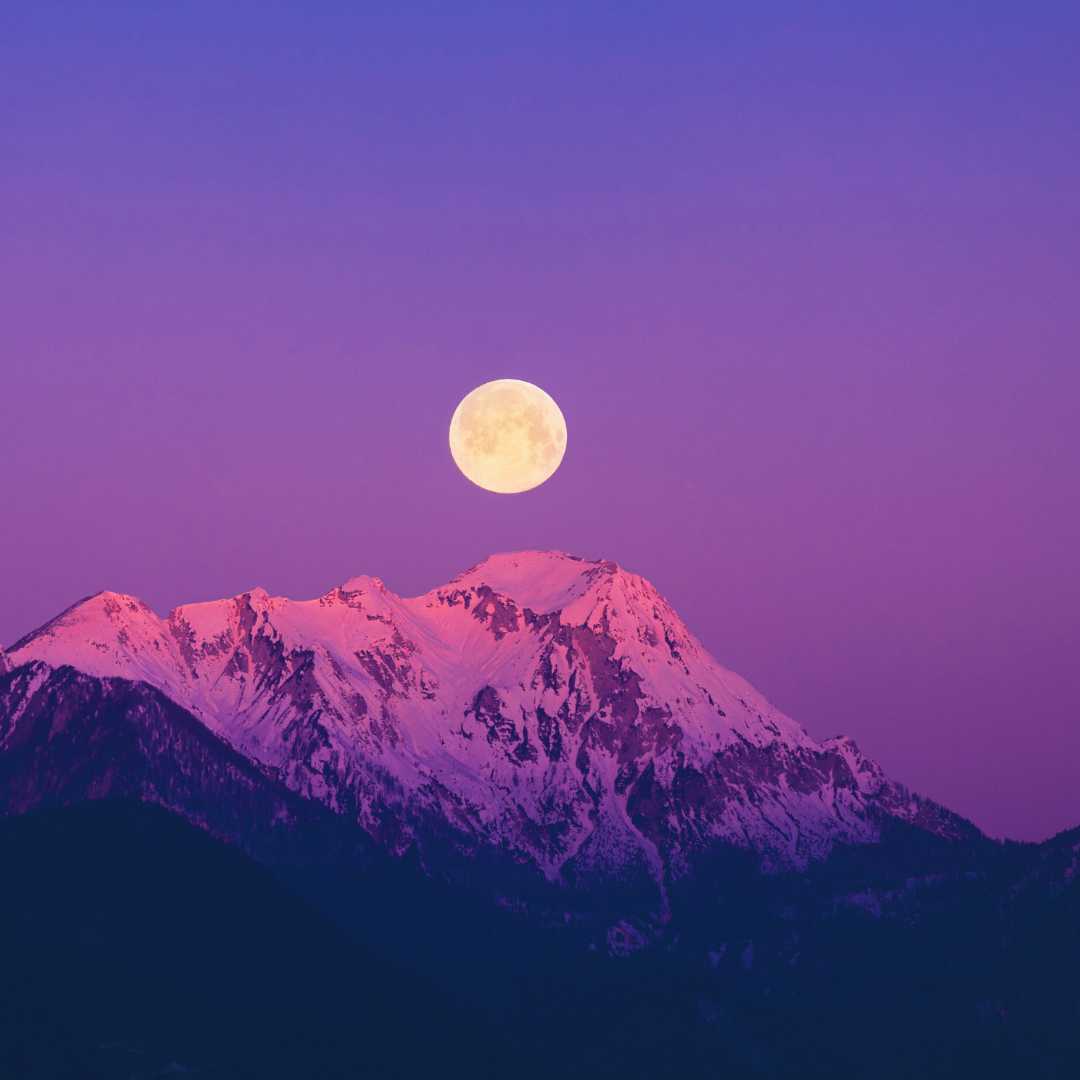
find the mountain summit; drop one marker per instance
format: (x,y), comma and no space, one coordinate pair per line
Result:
(540,706)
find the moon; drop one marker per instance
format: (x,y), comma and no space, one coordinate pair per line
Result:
(507,436)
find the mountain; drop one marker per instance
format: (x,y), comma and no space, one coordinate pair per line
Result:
(67,737)
(544,730)
(135,945)
(540,708)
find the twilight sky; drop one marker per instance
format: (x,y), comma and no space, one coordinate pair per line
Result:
(803,279)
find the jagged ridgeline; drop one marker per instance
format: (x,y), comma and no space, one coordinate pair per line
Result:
(543,732)
(540,708)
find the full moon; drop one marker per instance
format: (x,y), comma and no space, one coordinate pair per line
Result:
(507,436)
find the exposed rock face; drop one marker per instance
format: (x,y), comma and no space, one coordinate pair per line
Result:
(67,737)
(541,706)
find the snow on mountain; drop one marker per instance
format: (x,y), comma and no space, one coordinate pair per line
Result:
(551,708)
(68,737)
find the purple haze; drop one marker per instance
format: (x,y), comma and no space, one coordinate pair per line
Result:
(803,284)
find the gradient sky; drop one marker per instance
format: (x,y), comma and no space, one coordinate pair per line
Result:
(803,279)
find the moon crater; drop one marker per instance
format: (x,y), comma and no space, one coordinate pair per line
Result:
(507,436)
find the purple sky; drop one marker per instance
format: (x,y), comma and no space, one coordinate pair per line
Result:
(803,283)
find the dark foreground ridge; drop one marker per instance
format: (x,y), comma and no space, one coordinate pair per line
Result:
(135,946)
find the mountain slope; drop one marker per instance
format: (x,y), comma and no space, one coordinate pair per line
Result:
(539,705)
(135,945)
(67,737)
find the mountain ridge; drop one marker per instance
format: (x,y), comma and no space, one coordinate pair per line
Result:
(548,707)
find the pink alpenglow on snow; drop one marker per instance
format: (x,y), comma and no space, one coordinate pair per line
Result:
(543,704)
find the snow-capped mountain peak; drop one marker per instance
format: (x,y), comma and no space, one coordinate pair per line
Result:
(554,708)
(363,583)
(542,581)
